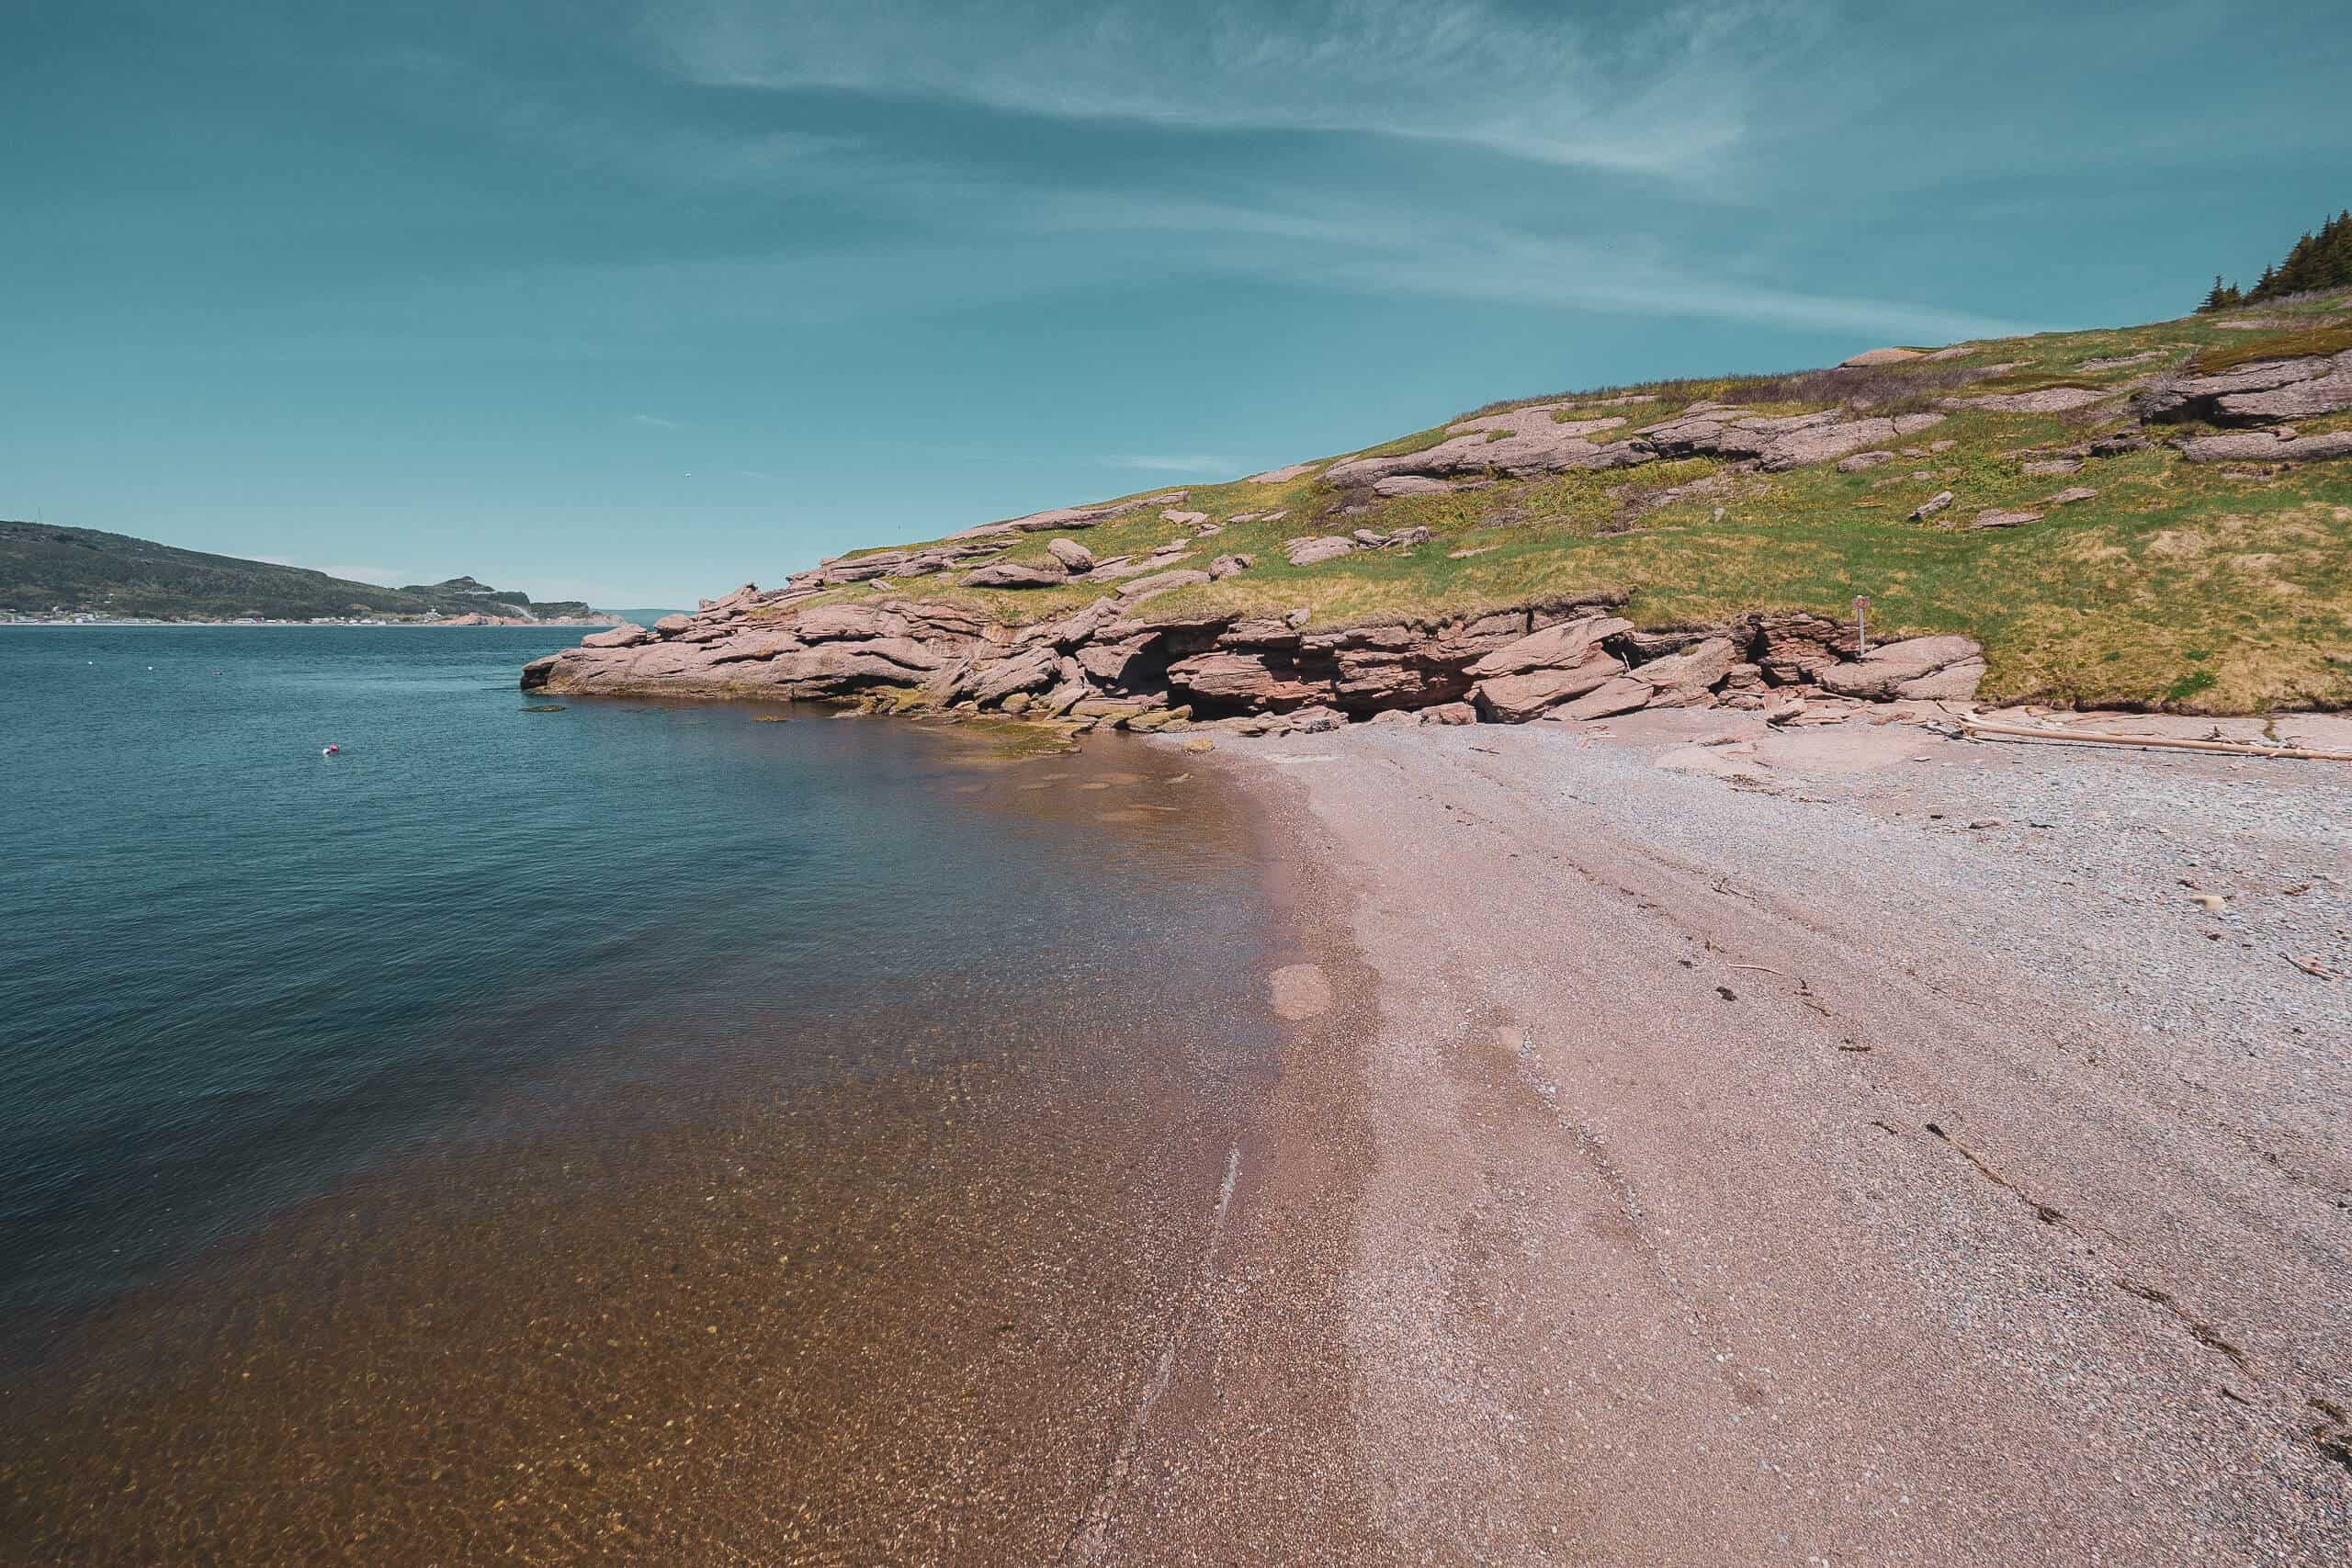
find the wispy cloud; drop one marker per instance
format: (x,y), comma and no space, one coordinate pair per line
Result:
(1012,241)
(592,136)
(1376,249)
(1536,270)
(655,421)
(1662,93)
(1150,465)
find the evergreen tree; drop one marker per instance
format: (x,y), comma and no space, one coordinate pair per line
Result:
(2335,264)
(2321,259)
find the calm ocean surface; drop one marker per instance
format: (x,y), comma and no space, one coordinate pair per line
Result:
(237,975)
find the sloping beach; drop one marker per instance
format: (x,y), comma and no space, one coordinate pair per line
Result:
(1854,1146)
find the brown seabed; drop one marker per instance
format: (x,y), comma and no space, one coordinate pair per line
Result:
(1057,1297)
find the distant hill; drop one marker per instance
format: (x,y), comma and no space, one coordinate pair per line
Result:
(46,567)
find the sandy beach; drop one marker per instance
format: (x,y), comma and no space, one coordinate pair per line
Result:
(1853,1146)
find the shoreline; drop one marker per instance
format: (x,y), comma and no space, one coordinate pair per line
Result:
(312,626)
(1679,1144)
(1845,1144)
(941,1303)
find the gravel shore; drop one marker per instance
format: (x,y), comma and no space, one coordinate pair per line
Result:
(1846,1145)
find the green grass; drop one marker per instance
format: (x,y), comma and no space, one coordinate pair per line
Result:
(2199,588)
(2318,339)
(1420,441)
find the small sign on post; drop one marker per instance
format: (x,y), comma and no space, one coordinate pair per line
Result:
(1861,628)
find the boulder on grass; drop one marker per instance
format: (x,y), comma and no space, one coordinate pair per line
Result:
(1012,574)
(1162,583)
(2265,446)
(1310,552)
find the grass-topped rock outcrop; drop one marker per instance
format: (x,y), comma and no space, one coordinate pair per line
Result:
(2155,516)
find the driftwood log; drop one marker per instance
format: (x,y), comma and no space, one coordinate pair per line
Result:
(1977,727)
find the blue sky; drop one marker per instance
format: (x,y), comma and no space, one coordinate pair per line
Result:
(634,301)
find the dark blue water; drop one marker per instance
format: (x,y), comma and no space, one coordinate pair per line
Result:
(235,973)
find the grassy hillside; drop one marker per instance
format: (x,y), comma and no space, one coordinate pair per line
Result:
(2223,587)
(81,569)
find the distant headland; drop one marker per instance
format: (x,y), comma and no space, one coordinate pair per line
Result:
(55,575)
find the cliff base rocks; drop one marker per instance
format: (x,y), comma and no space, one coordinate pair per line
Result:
(1569,658)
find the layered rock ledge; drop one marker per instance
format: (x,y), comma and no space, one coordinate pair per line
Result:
(1563,659)
(1546,438)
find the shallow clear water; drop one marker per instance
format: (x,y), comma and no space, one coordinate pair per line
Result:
(235,973)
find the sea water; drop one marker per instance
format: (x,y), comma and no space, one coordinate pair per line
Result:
(307,1055)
